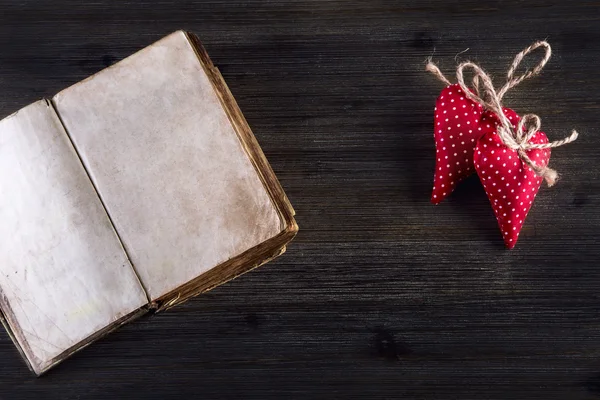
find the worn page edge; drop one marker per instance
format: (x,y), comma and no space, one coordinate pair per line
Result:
(271,248)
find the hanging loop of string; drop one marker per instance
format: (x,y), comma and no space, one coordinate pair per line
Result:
(490,99)
(511,81)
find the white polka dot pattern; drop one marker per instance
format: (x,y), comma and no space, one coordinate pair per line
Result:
(510,184)
(457,128)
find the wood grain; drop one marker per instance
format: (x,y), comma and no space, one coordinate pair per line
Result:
(381,295)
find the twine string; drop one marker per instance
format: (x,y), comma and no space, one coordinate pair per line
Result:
(490,99)
(511,81)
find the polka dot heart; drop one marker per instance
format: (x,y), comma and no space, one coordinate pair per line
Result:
(459,124)
(510,184)
(456,132)
(475,132)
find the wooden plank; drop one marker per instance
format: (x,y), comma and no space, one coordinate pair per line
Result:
(381,295)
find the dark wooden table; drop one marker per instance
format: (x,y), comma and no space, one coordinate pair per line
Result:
(382,295)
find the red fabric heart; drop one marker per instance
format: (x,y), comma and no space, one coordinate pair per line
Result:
(510,184)
(457,128)
(459,123)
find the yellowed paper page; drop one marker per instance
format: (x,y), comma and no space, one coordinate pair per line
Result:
(179,187)
(63,272)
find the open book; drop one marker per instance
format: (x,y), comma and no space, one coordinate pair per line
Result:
(131,191)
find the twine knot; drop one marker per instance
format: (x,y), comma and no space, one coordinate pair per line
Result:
(516,139)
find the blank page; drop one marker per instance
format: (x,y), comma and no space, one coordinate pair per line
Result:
(179,186)
(63,272)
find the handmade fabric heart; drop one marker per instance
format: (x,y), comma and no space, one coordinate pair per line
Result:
(510,184)
(458,126)
(510,162)
(456,132)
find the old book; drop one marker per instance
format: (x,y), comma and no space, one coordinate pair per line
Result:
(131,191)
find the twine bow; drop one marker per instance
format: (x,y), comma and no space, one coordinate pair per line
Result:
(491,100)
